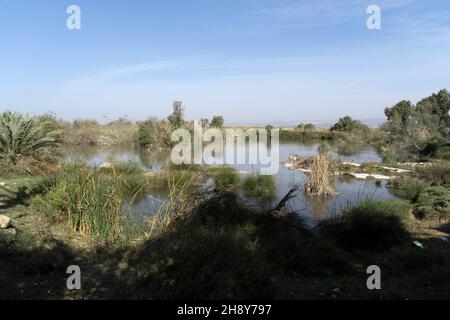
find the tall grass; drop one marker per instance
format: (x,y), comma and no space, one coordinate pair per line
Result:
(226,178)
(90,200)
(181,199)
(262,187)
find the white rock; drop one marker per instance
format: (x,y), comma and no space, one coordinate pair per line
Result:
(397,170)
(106,165)
(354,164)
(368,175)
(5,222)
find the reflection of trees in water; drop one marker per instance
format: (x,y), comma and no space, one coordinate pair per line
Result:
(154,159)
(349,149)
(83,153)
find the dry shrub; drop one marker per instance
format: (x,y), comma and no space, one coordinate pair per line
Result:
(319,182)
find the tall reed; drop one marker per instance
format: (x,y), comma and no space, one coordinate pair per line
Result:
(91,200)
(319,182)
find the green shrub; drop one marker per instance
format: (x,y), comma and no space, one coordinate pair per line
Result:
(433,202)
(443,153)
(372,225)
(154,134)
(21,136)
(226,177)
(438,174)
(262,187)
(408,187)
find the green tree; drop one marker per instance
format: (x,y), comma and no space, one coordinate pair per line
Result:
(415,130)
(309,127)
(347,124)
(437,104)
(217,122)
(176,119)
(399,115)
(153,133)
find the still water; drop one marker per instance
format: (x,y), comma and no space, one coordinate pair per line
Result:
(350,191)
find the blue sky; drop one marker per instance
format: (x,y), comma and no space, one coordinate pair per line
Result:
(253,61)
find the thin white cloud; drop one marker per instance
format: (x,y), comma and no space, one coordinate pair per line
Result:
(126,70)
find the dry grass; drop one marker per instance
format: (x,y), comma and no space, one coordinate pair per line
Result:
(319,182)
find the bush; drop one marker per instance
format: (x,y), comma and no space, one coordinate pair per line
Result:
(262,187)
(372,226)
(434,202)
(438,174)
(408,188)
(21,136)
(226,177)
(443,153)
(347,124)
(154,134)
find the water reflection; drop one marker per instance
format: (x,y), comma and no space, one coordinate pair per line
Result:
(351,191)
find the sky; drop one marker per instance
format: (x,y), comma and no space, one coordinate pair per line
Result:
(252,61)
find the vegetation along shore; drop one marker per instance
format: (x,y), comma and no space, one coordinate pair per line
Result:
(141,227)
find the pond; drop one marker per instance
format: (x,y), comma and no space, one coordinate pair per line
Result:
(350,191)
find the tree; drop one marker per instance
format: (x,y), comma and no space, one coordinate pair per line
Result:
(437,104)
(217,122)
(422,129)
(153,133)
(347,124)
(309,127)
(204,122)
(400,113)
(176,119)
(301,126)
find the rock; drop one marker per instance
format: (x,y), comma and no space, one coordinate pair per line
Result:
(370,176)
(106,165)
(5,222)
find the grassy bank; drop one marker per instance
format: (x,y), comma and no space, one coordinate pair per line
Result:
(217,248)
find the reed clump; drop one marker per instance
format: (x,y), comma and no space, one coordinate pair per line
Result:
(261,187)
(90,200)
(319,182)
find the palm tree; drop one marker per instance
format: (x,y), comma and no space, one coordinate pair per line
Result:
(23,136)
